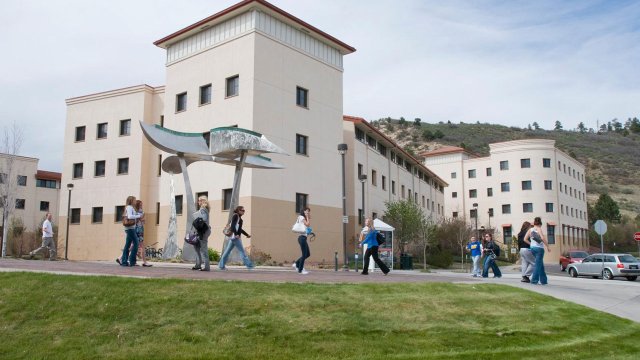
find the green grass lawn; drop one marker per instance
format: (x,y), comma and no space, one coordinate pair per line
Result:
(85,317)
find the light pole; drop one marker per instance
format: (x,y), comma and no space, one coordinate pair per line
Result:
(342,149)
(66,242)
(475,211)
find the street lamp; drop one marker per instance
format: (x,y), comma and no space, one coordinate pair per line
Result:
(475,211)
(342,149)
(66,243)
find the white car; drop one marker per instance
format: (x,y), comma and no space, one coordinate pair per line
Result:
(615,265)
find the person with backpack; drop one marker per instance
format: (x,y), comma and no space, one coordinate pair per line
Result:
(526,256)
(201,225)
(235,240)
(372,243)
(491,252)
(538,243)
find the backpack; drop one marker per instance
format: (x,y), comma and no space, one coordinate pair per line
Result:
(380,238)
(200,226)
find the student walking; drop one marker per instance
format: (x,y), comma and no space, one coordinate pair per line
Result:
(235,240)
(47,239)
(371,241)
(475,247)
(140,232)
(491,252)
(538,242)
(202,247)
(526,256)
(128,257)
(305,218)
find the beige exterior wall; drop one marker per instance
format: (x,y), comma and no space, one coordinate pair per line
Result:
(573,221)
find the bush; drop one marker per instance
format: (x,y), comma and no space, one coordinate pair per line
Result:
(214,255)
(440,259)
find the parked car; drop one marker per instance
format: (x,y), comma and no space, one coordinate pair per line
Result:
(571,257)
(615,265)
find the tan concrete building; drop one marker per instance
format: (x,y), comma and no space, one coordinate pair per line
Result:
(518,181)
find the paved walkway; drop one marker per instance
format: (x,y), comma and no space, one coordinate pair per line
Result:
(618,297)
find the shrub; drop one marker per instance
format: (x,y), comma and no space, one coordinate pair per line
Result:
(214,255)
(440,259)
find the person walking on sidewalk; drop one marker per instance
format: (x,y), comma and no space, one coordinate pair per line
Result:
(475,247)
(305,218)
(235,240)
(526,256)
(202,247)
(538,242)
(128,257)
(491,252)
(47,239)
(371,241)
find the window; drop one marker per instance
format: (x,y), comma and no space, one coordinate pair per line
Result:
(157,213)
(205,94)
(99,167)
(301,144)
(508,234)
(384,182)
(453,175)
(423,201)
(559,165)
(75,216)
(472,173)
(360,215)
(301,201)
(473,193)
(359,134)
(125,127)
(455,214)
(117,216)
(77,171)
(51,184)
(393,187)
(123,166)
(382,149)
(101,132)
(409,194)
(525,163)
(161,120)
(506,209)
(546,162)
(562,209)
(96,215)
(489,171)
(548,185)
(504,187)
(371,141)
(527,207)
(80,132)
(181,102)
(233,86)
(454,194)
(44,206)
(374,178)
(551,234)
(178,200)
(302,97)
(490,212)
(159,165)
(198,194)
(489,192)
(374,215)
(504,165)
(564,168)
(22,180)
(549,207)
(20,204)
(402,191)
(473,213)
(526,185)
(226,199)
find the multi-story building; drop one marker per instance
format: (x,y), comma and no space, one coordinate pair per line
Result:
(518,181)
(36,191)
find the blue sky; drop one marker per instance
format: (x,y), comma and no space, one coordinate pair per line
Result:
(501,62)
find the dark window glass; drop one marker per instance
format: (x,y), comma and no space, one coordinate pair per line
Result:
(77,171)
(301,201)
(504,165)
(548,185)
(472,174)
(546,163)
(20,204)
(233,86)
(525,163)
(99,168)
(506,209)
(157,213)
(96,215)
(125,127)
(102,131)
(527,207)
(75,216)
(178,200)
(123,166)
(301,144)
(473,193)
(526,185)
(181,102)
(504,187)
(551,234)
(46,183)
(118,213)
(549,207)
(205,94)
(360,134)
(488,171)
(22,180)
(44,206)
(508,235)
(489,192)
(226,199)
(302,97)
(80,133)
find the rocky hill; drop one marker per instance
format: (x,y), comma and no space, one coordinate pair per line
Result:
(611,156)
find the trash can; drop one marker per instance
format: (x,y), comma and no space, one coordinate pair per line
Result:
(406,262)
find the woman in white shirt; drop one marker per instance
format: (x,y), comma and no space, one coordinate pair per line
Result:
(305,218)
(535,237)
(131,242)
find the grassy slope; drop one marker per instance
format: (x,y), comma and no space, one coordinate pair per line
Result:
(49,316)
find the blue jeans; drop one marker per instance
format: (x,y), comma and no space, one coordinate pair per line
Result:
(237,243)
(538,269)
(304,247)
(129,258)
(490,263)
(476,265)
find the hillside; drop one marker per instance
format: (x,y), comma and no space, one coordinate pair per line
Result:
(611,159)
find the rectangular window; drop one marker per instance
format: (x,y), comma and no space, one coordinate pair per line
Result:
(205,94)
(546,162)
(22,180)
(402,191)
(20,204)
(301,144)
(508,235)
(455,214)
(178,200)
(527,207)
(301,201)
(472,174)
(454,194)
(506,209)
(101,131)
(548,185)
(473,193)
(359,170)
(157,213)
(226,199)
(504,165)
(551,234)
(525,163)
(125,127)
(360,215)
(159,165)
(51,184)
(96,215)
(382,149)
(384,182)
(117,216)
(359,135)
(123,166)
(393,187)
(233,86)
(302,97)
(75,216)
(453,175)
(77,171)
(526,185)
(488,171)
(80,133)
(549,207)
(473,213)
(181,102)
(490,212)
(99,168)
(161,120)
(423,201)
(44,206)
(374,178)
(374,215)
(504,187)
(489,192)
(371,141)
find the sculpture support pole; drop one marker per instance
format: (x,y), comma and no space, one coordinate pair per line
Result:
(188,251)
(235,191)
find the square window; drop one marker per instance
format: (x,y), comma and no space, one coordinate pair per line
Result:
(233,86)
(506,209)
(525,163)
(205,94)
(226,199)
(473,193)
(302,97)
(20,204)
(453,175)
(527,207)
(454,194)
(22,180)
(473,213)
(504,187)
(489,192)
(123,166)
(125,127)
(548,185)
(526,185)
(80,133)
(119,211)
(488,171)
(77,171)
(96,215)
(44,206)
(178,199)
(99,168)
(549,207)
(455,214)
(546,162)
(181,102)
(504,165)
(301,201)
(101,131)
(75,216)
(301,144)
(472,174)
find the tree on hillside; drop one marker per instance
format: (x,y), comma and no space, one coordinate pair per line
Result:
(535,126)
(581,128)
(416,122)
(634,126)
(529,127)
(402,122)
(558,126)
(11,144)
(607,209)
(427,135)
(617,125)
(407,218)
(438,134)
